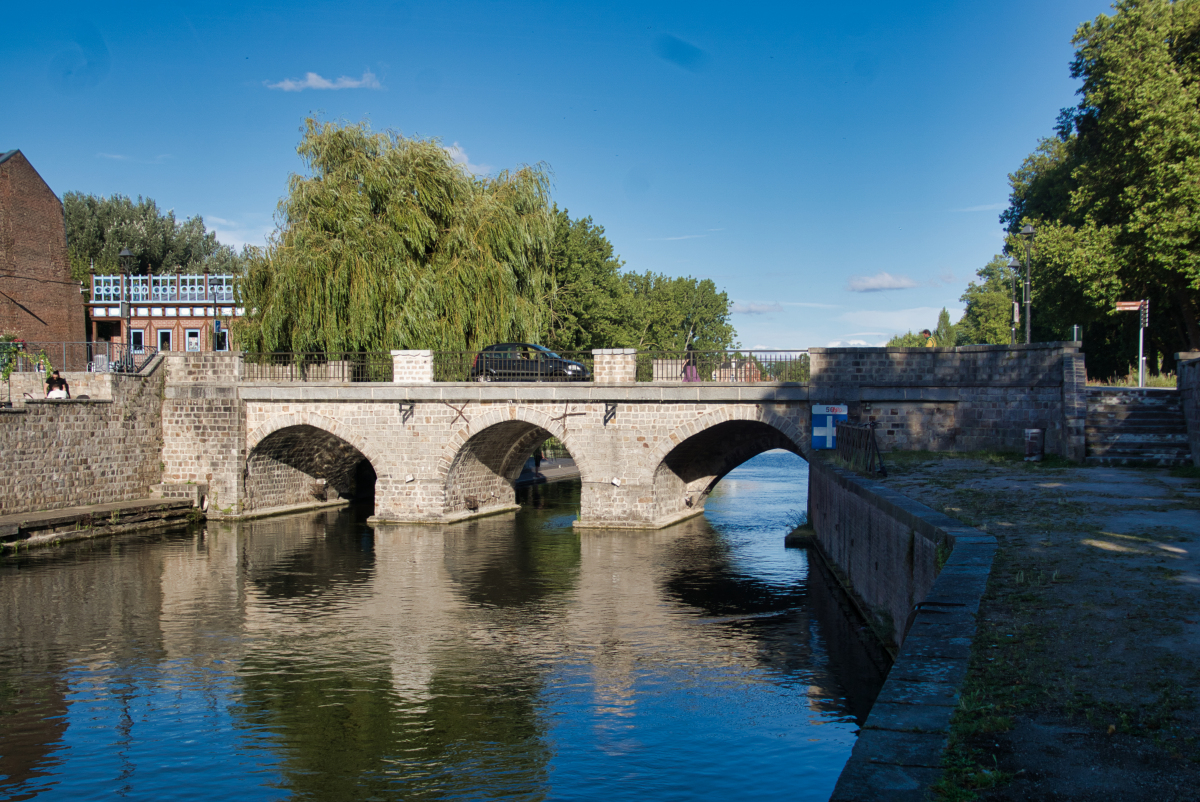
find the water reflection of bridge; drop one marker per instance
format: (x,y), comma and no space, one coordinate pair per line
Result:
(330,632)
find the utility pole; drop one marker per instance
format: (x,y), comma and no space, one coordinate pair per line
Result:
(1027,232)
(1013,267)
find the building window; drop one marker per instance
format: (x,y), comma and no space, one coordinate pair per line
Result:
(221,340)
(192,338)
(137,340)
(164,339)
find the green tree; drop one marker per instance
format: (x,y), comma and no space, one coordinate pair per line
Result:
(587,300)
(1128,169)
(387,243)
(987,318)
(98,228)
(674,314)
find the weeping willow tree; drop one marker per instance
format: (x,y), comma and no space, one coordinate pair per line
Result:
(387,243)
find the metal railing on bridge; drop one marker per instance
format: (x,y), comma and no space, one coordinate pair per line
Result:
(332,366)
(522,364)
(724,367)
(96,357)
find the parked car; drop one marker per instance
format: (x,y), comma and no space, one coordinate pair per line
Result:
(522,362)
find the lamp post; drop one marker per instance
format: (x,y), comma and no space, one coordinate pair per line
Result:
(1013,267)
(1027,232)
(126,257)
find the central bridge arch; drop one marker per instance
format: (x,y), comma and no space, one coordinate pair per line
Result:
(689,466)
(483,459)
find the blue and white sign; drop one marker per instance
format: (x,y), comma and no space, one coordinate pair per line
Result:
(825,419)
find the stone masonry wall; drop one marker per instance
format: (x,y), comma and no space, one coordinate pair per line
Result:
(886,547)
(97,386)
(614,365)
(412,367)
(203,429)
(959,399)
(1189,389)
(67,453)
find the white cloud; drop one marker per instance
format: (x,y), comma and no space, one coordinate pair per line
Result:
(752,308)
(879,282)
(235,234)
(987,207)
(314,81)
(459,156)
(810,306)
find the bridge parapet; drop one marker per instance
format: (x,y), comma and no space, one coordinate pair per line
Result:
(412,367)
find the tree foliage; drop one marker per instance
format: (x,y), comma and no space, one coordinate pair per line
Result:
(593,304)
(98,228)
(1116,198)
(946,335)
(987,318)
(387,243)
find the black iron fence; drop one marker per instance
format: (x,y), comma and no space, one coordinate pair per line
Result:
(723,366)
(857,447)
(518,364)
(333,366)
(97,357)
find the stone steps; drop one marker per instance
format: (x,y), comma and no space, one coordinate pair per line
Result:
(1136,426)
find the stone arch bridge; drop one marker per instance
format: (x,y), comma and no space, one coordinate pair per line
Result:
(648,453)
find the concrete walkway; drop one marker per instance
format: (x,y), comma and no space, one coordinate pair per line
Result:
(1085,670)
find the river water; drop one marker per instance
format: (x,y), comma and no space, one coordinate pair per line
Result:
(512,657)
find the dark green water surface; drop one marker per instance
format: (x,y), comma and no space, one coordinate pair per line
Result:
(513,657)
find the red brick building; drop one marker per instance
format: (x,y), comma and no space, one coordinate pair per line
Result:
(38,300)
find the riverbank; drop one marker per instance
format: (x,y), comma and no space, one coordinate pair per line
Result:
(553,470)
(1083,675)
(45,527)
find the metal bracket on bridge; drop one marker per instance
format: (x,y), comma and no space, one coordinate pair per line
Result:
(406,411)
(610,411)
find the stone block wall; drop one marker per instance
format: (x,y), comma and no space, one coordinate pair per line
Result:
(412,367)
(959,399)
(1188,372)
(67,453)
(614,365)
(203,426)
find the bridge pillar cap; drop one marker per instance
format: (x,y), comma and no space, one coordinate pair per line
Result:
(614,351)
(412,353)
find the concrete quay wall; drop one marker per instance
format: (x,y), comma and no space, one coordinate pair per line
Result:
(60,453)
(886,548)
(1188,374)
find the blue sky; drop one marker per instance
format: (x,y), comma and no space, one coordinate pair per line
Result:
(801,155)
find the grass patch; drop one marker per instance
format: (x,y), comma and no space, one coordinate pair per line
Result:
(1186,472)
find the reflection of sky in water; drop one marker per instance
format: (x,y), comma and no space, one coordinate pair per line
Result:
(751,508)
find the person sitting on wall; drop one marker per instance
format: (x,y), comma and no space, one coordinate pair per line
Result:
(57,387)
(930,342)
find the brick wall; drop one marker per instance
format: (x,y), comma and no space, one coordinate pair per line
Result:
(66,453)
(1189,389)
(33,250)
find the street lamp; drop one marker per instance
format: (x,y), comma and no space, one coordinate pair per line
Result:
(126,257)
(1027,232)
(1013,268)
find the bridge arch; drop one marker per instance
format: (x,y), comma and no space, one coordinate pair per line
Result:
(301,458)
(482,459)
(688,466)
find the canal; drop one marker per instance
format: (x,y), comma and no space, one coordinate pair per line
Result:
(512,657)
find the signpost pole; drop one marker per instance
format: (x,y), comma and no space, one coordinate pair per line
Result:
(1145,320)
